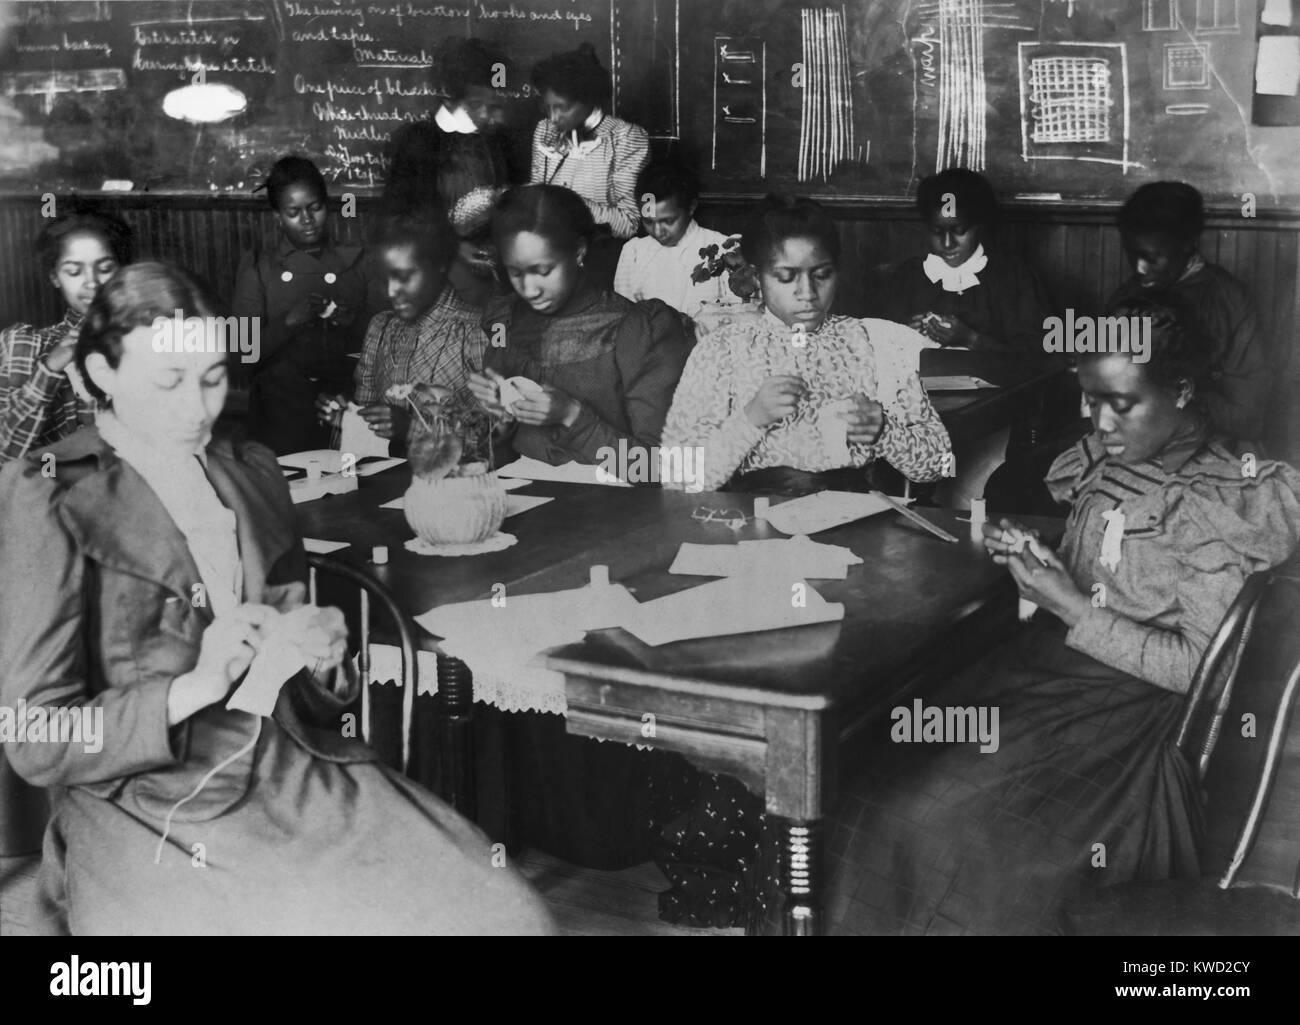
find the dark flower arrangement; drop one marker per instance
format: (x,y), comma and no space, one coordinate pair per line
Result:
(742,278)
(449,435)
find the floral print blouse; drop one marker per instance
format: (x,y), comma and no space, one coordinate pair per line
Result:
(739,349)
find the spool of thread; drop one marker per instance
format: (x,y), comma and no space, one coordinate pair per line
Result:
(599,576)
(761,505)
(379,555)
(313,469)
(977,518)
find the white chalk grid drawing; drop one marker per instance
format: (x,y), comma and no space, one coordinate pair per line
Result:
(1217,17)
(1074,102)
(1159,15)
(961,85)
(826,118)
(1187,66)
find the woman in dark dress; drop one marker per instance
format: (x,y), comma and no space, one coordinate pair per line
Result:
(313,298)
(1086,786)
(158,562)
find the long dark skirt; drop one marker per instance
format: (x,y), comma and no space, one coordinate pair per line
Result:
(1085,789)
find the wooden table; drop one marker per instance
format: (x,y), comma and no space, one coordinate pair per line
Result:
(775,709)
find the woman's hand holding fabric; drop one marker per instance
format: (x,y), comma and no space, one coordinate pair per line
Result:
(866,420)
(226,650)
(775,399)
(548,408)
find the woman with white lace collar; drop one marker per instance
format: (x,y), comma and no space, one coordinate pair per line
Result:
(581,147)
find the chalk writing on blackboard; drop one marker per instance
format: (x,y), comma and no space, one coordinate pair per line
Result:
(740,102)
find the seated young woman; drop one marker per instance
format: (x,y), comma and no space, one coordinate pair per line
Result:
(430,336)
(40,401)
(659,265)
(1083,784)
(606,366)
(314,298)
(966,291)
(1160,226)
(790,398)
(1086,787)
(158,563)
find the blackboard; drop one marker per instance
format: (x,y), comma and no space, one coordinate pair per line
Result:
(83,84)
(1082,99)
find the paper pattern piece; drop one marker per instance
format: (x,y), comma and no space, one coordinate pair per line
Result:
(358,438)
(1277,72)
(569,473)
(737,605)
(824,510)
(770,559)
(834,431)
(319,547)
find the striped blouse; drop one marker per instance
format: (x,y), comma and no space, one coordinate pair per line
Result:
(37,406)
(1196,521)
(602,170)
(740,348)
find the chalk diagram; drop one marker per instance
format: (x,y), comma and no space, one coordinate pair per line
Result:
(1074,102)
(1186,66)
(826,118)
(740,100)
(951,61)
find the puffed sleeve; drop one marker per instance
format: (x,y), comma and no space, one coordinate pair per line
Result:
(706,413)
(914,440)
(631,154)
(43,647)
(649,352)
(367,373)
(1221,529)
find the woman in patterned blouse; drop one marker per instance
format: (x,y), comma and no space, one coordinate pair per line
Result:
(38,402)
(780,398)
(598,156)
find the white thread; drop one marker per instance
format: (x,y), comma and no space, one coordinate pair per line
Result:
(167,822)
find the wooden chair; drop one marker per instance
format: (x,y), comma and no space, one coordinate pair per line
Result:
(368,589)
(1247,758)
(1211,689)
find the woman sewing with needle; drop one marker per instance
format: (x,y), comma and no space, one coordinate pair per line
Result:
(158,565)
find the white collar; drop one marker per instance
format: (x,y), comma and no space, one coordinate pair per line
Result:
(135,450)
(959,278)
(455,122)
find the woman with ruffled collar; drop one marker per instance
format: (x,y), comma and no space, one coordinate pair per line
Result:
(788,398)
(967,291)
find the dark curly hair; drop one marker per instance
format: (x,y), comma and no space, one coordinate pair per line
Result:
(465,63)
(1172,210)
(972,193)
(293,170)
(669,179)
(424,227)
(576,75)
(134,297)
(83,218)
(557,214)
(1180,347)
(778,218)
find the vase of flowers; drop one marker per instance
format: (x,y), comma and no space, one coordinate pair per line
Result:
(742,277)
(453,498)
